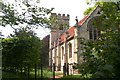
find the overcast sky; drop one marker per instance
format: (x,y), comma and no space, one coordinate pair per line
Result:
(72,7)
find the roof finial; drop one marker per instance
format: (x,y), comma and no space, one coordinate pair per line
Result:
(76,19)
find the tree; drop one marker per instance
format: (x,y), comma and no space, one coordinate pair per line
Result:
(88,10)
(30,14)
(21,50)
(24,42)
(45,51)
(101,57)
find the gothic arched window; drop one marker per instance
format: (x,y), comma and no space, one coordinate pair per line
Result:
(62,52)
(70,50)
(93,33)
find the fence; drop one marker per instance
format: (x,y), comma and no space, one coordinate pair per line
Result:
(38,71)
(65,70)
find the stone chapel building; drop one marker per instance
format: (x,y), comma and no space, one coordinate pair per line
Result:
(64,44)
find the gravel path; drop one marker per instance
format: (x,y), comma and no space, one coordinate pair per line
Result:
(58,76)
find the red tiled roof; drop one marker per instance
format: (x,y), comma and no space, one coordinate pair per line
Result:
(70,34)
(70,31)
(62,37)
(81,21)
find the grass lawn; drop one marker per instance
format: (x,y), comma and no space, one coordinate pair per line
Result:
(46,74)
(72,76)
(75,77)
(10,75)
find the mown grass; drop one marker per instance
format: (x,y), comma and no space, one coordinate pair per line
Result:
(75,77)
(46,74)
(72,76)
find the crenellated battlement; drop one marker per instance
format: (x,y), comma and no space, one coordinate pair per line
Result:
(61,19)
(61,16)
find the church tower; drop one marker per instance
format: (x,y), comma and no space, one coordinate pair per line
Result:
(59,22)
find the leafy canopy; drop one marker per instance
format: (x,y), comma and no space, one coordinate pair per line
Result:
(101,57)
(25,13)
(22,49)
